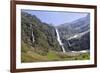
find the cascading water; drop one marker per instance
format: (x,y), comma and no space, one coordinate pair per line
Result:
(33,37)
(69,43)
(32,33)
(60,42)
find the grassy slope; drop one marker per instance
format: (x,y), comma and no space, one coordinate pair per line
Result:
(45,42)
(28,55)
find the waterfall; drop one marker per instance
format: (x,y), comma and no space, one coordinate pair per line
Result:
(60,42)
(33,37)
(69,43)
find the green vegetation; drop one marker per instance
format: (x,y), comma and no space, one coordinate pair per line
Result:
(29,55)
(45,47)
(44,35)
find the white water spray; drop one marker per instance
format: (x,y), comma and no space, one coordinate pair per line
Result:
(33,37)
(60,42)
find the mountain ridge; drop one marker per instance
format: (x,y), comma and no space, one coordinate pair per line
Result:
(39,41)
(75,31)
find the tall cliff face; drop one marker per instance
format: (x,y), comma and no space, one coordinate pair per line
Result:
(76,35)
(44,42)
(40,36)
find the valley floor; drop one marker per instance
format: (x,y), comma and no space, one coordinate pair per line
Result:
(31,56)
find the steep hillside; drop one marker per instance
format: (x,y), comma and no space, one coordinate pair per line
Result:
(44,42)
(40,36)
(76,35)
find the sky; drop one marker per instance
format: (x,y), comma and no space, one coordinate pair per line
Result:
(56,17)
